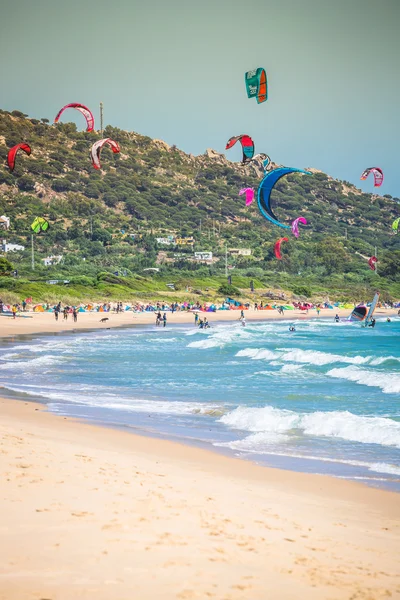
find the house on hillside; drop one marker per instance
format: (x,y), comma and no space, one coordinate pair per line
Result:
(240,251)
(6,247)
(52,260)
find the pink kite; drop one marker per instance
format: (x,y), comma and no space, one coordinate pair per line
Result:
(82,109)
(377,173)
(277,247)
(371,263)
(295,225)
(249,195)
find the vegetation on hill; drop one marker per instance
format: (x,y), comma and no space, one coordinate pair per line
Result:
(107,221)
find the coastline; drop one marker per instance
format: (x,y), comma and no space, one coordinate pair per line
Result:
(38,323)
(175,521)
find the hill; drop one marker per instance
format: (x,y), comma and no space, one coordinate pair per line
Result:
(108,221)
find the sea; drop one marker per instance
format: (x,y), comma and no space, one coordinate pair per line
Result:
(322,399)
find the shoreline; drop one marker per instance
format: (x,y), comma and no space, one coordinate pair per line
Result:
(42,323)
(126,506)
(283,463)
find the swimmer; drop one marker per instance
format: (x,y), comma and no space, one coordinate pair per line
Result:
(292,328)
(388,320)
(337,319)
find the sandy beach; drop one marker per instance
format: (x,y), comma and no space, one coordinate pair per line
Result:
(95,513)
(31,323)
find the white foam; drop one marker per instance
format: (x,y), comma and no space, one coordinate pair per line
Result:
(388,382)
(297,355)
(257,354)
(33,363)
(315,357)
(334,424)
(220,337)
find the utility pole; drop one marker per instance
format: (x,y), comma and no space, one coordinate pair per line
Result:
(226,261)
(101,118)
(33,254)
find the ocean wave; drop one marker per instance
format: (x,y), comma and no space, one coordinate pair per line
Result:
(101,397)
(31,364)
(335,424)
(388,382)
(258,354)
(311,357)
(221,337)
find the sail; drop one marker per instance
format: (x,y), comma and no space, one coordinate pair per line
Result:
(371,310)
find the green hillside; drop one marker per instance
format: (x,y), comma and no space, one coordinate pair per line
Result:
(107,221)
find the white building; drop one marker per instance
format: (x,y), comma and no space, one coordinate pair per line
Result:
(51,260)
(5,247)
(166,241)
(203,256)
(240,251)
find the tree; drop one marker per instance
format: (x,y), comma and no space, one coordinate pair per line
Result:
(390,265)
(5,266)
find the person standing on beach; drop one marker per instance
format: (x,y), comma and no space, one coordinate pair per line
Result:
(165,319)
(14,311)
(75,314)
(196,318)
(56,311)
(65,313)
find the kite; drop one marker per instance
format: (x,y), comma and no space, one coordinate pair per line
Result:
(82,109)
(372,262)
(247,146)
(12,153)
(395,224)
(97,147)
(39,224)
(295,225)
(277,247)
(265,189)
(262,160)
(249,195)
(256,84)
(378,175)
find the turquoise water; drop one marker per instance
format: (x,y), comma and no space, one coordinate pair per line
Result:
(323,399)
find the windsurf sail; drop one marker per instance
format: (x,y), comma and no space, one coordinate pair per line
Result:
(371,310)
(359,313)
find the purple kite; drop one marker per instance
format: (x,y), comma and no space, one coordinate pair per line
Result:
(295,225)
(249,195)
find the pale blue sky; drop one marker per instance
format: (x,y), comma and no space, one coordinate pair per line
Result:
(174,70)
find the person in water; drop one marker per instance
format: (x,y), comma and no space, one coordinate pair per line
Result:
(292,328)
(243,322)
(372,324)
(337,319)
(388,320)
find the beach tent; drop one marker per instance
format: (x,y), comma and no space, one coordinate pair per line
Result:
(81,309)
(38,308)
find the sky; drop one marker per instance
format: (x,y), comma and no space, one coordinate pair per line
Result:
(174,70)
